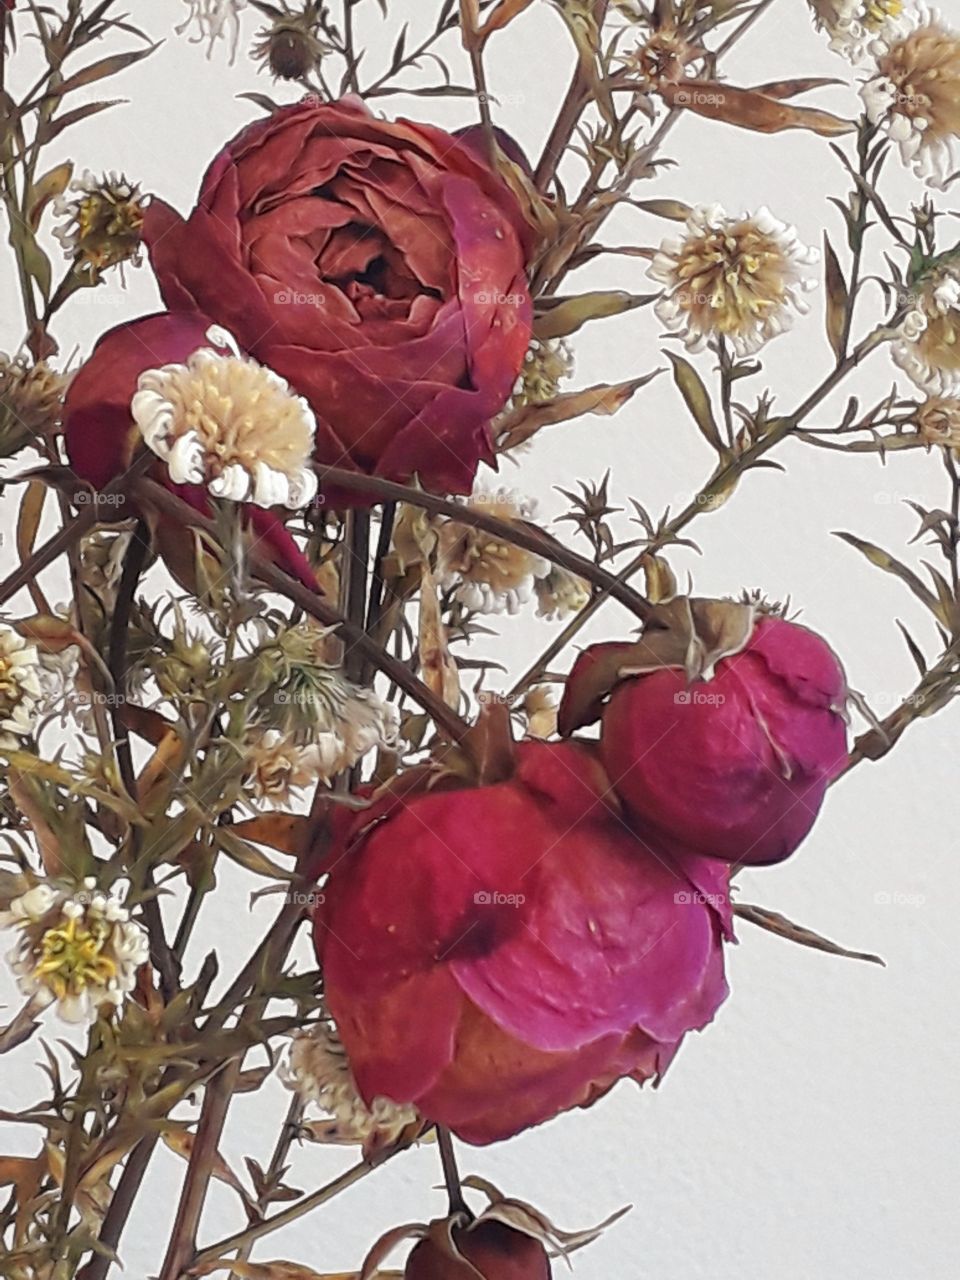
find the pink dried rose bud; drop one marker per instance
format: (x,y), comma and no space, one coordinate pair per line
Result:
(495,955)
(723,728)
(488,1250)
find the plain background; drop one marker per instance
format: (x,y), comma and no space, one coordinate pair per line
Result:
(812,1132)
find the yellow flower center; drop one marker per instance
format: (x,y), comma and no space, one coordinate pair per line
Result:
(108,229)
(72,958)
(877,12)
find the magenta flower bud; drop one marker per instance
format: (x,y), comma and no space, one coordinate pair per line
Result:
(723,729)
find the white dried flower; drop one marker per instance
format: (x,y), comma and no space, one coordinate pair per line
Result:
(737,278)
(214,20)
(230,423)
(914,94)
(561,594)
(20,688)
(928,348)
(317,1070)
(489,575)
(862,29)
(78,949)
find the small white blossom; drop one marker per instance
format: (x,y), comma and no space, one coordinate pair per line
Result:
(737,278)
(862,29)
(928,348)
(914,94)
(317,1070)
(227,422)
(21,690)
(76,949)
(487,574)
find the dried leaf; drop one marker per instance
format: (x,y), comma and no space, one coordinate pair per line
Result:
(838,298)
(28,525)
(773,922)
(605,398)
(285,832)
(564,316)
(437,668)
(100,70)
(697,399)
(182,1142)
(505,12)
(780,89)
(883,560)
(53,183)
(748,109)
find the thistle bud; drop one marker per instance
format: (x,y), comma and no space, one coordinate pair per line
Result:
(291,47)
(493,1251)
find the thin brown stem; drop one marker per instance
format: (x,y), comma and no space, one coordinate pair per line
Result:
(515,532)
(326,1193)
(446,720)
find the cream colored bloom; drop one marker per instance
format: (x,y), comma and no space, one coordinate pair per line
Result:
(78,949)
(861,29)
(928,349)
(914,95)
(280,768)
(547,364)
(214,20)
(20,687)
(487,574)
(230,423)
(732,278)
(317,1070)
(560,594)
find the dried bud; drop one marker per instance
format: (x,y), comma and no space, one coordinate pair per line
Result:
(31,400)
(938,421)
(103,222)
(494,1251)
(291,47)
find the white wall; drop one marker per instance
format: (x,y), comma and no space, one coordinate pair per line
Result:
(812,1132)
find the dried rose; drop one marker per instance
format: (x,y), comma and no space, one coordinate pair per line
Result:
(378,266)
(723,728)
(495,955)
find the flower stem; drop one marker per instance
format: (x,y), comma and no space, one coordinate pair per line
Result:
(451,1174)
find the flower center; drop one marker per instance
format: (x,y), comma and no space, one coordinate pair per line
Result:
(877,12)
(731,277)
(72,958)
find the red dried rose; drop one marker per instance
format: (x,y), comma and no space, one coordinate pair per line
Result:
(378,266)
(495,955)
(102,437)
(723,728)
